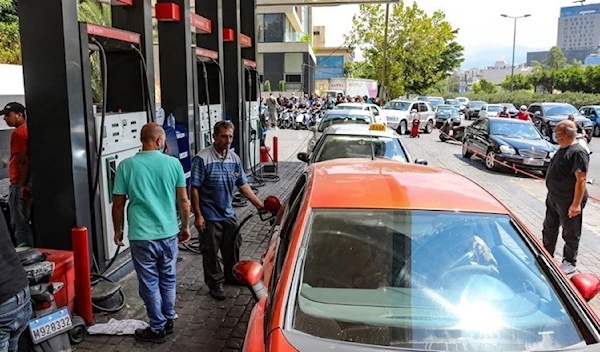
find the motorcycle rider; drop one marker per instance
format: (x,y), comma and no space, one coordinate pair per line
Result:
(504,112)
(522,114)
(580,130)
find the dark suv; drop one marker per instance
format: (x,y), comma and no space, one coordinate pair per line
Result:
(545,116)
(473,108)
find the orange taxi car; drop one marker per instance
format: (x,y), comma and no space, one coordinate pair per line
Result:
(424,259)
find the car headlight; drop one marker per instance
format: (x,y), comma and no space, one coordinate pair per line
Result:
(505,149)
(551,154)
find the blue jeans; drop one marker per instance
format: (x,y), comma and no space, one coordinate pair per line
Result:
(155,263)
(14,316)
(20,214)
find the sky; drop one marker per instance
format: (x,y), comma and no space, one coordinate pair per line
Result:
(486,36)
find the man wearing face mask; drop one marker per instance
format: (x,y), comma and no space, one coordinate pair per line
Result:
(567,194)
(216,171)
(152,182)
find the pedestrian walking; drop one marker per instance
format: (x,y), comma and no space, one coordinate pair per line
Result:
(216,171)
(15,305)
(272,106)
(567,194)
(153,182)
(19,199)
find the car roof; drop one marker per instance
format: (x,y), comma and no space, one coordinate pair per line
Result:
(494,104)
(348,112)
(553,104)
(359,130)
(385,184)
(446,106)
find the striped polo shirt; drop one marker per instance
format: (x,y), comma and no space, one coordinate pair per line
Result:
(216,177)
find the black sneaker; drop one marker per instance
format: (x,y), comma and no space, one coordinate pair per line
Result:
(217,292)
(169,329)
(147,335)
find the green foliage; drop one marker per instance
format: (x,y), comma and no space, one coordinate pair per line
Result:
(527,97)
(484,86)
(421,48)
(10,43)
(267,86)
(282,86)
(521,82)
(306,38)
(360,69)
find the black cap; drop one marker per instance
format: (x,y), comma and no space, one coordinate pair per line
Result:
(14,107)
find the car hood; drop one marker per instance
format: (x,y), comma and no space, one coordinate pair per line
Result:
(578,118)
(522,143)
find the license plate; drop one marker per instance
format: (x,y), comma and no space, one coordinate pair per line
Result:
(50,325)
(533,162)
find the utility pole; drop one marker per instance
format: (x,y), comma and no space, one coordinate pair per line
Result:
(512,71)
(385,45)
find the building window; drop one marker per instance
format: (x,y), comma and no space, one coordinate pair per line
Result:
(273,27)
(293,78)
(293,62)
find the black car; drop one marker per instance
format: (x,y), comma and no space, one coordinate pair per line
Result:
(515,142)
(444,112)
(545,116)
(473,109)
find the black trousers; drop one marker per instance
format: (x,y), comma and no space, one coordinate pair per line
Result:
(219,235)
(557,214)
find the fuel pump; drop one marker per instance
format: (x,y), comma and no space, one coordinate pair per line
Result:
(252,114)
(210,85)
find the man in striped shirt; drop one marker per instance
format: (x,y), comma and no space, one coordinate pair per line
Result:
(216,171)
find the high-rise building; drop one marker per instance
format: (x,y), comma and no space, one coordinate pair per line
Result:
(284,53)
(579,27)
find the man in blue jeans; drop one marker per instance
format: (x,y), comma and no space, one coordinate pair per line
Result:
(153,182)
(15,307)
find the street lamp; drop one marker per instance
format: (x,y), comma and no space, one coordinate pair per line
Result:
(512,73)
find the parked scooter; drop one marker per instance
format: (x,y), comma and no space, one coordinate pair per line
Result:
(301,120)
(449,131)
(50,329)
(285,119)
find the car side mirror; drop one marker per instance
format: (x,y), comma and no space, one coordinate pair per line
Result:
(303,157)
(421,162)
(249,274)
(587,284)
(413,111)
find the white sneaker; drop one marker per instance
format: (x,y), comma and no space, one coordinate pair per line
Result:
(568,268)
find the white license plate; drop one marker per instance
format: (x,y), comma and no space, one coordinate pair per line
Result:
(50,325)
(533,162)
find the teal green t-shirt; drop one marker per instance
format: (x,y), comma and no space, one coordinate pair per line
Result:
(149,180)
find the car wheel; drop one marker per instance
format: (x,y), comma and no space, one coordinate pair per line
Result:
(490,160)
(597,131)
(466,152)
(402,128)
(429,127)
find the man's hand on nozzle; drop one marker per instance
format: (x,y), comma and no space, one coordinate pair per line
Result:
(260,205)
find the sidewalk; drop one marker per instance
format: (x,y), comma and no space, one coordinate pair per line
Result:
(205,324)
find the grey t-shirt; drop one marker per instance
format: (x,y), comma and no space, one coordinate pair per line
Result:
(272,103)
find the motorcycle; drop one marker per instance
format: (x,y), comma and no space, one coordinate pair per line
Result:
(584,143)
(301,120)
(448,131)
(50,328)
(285,119)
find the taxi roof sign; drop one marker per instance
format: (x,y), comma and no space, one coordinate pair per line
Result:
(377,127)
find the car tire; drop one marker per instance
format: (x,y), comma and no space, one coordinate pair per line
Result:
(466,153)
(402,128)
(596,131)
(490,160)
(428,127)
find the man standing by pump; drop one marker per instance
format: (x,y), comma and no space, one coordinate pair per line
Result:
(19,201)
(216,171)
(153,182)
(567,194)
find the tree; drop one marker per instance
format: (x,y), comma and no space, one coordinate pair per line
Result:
(421,48)
(484,86)
(572,79)
(360,69)
(521,82)
(10,43)
(545,74)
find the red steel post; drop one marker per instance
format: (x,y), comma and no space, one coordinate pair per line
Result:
(275,150)
(83,282)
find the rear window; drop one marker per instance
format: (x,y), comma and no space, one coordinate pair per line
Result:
(494,108)
(341,147)
(335,119)
(426,280)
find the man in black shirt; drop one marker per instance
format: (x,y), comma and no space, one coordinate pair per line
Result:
(567,195)
(15,306)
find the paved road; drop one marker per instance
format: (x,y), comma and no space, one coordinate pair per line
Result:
(523,195)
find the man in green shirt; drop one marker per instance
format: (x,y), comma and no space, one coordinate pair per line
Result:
(153,182)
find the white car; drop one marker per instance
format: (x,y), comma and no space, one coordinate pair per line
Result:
(375,110)
(463,100)
(490,110)
(401,112)
(339,117)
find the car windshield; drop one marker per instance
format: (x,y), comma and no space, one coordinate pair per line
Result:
(435,101)
(514,130)
(510,107)
(446,110)
(561,110)
(420,279)
(494,108)
(338,119)
(398,105)
(454,102)
(345,146)
(476,104)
